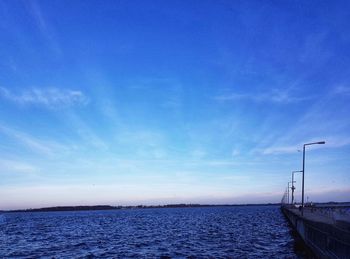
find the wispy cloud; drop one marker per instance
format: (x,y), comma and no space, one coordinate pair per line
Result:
(17,166)
(321,120)
(86,133)
(331,142)
(314,49)
(170,90)
(48,97)
(144,143)
(342,90)
(45,147)
(276,150)
(274,96)
(198,153)
(44,27)
(173,102)
(27,140)
(337,141)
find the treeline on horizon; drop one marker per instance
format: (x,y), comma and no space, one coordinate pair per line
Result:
(108,207)
(180,205)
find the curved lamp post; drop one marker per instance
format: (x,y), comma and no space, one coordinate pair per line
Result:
(302,191)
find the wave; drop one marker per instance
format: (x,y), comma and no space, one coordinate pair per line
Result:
(2,218)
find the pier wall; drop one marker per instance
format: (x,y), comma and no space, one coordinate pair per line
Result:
(324,239)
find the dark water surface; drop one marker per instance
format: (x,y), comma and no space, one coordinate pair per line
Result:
(215,232)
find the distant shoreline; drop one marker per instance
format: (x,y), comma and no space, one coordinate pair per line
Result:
(109,207)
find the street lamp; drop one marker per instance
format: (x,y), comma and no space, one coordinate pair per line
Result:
(293,188)
(288,191)
(302,191)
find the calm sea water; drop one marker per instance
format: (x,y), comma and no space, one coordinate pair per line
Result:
(212,232)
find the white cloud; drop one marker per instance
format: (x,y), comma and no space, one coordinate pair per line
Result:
(274,96)
(49,97)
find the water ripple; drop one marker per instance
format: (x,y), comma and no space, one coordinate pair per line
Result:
(212,232)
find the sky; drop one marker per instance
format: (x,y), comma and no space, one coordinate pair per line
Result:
(159,102)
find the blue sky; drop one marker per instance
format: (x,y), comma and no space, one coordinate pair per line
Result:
(153,102)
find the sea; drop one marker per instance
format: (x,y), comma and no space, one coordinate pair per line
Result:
(200,232)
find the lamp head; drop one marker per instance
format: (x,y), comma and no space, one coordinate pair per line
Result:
(314,143)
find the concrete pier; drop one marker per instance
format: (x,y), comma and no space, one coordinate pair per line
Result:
(327,237)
